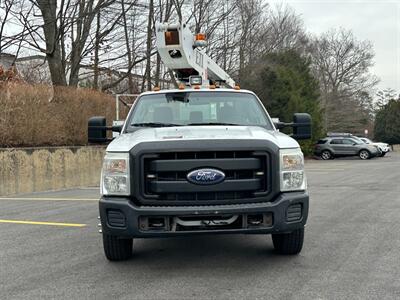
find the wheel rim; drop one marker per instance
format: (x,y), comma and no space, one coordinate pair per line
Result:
(326,155)
(364,154)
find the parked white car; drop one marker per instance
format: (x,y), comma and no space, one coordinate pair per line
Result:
(382,147)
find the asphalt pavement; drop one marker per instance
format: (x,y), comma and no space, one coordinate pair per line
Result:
(50,247)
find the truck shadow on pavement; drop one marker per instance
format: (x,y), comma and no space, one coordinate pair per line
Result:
(203,251)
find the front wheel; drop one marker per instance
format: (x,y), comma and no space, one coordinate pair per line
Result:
(364,154)
(325,155)
(289,243)
(116,248)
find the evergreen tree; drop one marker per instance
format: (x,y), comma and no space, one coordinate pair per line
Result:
(387,123)
(285,85)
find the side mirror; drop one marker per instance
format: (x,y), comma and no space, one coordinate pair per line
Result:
(277,123)
(117,126)
(97,130)
(301,126)
(280,125)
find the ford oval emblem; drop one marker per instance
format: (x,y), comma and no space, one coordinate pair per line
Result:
(205,176)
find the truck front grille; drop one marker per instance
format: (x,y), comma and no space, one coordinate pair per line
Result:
(165,176)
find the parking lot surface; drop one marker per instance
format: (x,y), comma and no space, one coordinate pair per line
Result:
(50,247)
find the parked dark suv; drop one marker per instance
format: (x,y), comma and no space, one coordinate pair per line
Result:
(336,146)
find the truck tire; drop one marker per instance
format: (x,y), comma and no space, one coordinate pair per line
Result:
(116,248)
(364,154)
(289,243)
(326,155)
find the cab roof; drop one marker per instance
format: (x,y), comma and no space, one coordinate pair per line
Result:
(192,90)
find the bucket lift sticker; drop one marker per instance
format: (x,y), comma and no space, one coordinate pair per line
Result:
(199,58)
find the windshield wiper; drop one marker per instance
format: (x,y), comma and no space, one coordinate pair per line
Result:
(154,124)
(213,123)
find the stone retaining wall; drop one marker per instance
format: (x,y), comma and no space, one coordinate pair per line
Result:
(26,170)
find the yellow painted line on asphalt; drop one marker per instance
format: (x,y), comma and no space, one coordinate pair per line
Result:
(42,223)
(48,199)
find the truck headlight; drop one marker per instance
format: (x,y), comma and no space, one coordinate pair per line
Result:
(115,174)
(292,174)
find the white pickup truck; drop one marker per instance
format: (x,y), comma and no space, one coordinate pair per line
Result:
(200,160)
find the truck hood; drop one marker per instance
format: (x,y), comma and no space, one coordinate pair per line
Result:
(125,142)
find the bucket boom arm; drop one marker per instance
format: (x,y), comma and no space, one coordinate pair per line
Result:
(179,51)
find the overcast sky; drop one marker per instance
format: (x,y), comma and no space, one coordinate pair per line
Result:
(374,20)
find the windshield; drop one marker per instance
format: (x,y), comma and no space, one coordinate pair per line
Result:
(198,108)
(357,140)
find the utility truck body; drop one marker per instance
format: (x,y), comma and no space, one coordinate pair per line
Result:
(201,160)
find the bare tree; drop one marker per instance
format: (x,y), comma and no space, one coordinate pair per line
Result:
(251,20)
(52,32)
(5,12)
(81,26)
(111,43)
(383,97)
(150,26)
(128,45)
(223,33)
(341,63)
(283,30)
(163,12)
(110,21)
(53,26)
(178,4)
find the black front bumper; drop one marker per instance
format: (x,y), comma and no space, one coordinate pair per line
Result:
(121,217)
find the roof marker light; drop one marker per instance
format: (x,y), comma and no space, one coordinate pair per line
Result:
(237,87)
(181,86)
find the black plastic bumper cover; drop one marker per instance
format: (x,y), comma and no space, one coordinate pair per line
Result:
(133,212)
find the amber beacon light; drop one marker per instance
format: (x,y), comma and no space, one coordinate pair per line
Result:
(200,37)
